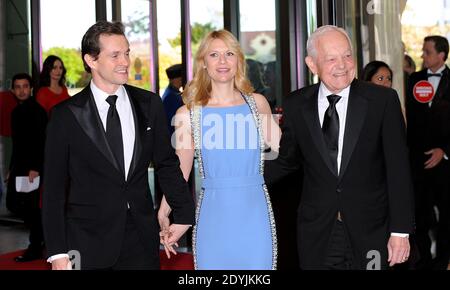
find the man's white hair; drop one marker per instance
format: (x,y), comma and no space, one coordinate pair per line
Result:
(312,40)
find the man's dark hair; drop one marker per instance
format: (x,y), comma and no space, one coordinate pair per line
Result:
(21,76)
(91,39)
(440,44)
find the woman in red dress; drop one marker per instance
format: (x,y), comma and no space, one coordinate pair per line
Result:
(52,89)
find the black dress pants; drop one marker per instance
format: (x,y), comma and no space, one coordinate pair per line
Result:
(134,255)
(432,187)
(339,254)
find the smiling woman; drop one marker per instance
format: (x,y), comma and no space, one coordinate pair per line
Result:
(225,123)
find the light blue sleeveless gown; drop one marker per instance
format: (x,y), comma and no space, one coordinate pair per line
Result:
(235,227)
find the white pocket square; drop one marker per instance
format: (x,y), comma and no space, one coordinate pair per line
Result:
(149,128)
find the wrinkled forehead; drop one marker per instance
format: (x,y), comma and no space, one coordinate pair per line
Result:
(333,42)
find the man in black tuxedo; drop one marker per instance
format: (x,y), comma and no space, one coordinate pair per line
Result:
(99,146)
(28,124)
(348,136)
(429,144)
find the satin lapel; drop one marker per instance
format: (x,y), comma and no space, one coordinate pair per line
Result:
(443,86)
(356,114)
(311,112)
(86,114)
(140,122)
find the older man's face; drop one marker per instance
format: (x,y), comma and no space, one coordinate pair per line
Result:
(333,63)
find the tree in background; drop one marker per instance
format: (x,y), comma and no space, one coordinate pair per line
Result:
(166,59)
(198,31)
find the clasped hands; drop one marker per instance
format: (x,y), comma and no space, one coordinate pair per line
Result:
(170,233)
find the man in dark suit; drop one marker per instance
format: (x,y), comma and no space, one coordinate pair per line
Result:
(356,207)
(171,98)
(99,146)
(429,144)
(28,123)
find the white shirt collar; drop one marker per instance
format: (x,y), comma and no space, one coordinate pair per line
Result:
(101,96)
(324,92)
(439,71)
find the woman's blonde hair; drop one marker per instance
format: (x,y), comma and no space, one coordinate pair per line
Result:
(198,90)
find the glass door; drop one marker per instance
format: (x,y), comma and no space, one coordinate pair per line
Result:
(62,29)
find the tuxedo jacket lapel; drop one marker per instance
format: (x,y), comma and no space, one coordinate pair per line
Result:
(140,121)
(356,114)
(311,112)
(86,114)
(442,88)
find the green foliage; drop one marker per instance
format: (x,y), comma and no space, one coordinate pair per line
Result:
(138,24)
(175,42)
(71,57)
(198,31)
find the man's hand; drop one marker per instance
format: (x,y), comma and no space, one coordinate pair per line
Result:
(32,175)
(61,264)
(436,156)
(398,249)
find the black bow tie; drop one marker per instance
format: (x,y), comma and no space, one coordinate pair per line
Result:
(434,75)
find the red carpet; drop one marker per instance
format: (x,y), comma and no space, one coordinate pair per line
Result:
(182,261)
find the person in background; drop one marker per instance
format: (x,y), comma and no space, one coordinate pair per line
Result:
(171,98)
(409,66)
(429,148)
(379,73)
(52,88)
(28,125)
(270,79)
(255,74)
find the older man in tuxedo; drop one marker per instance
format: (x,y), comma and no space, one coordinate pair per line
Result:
(356,208)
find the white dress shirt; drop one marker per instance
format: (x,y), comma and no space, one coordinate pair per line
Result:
(125,111)
(341,108)
(126,119)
